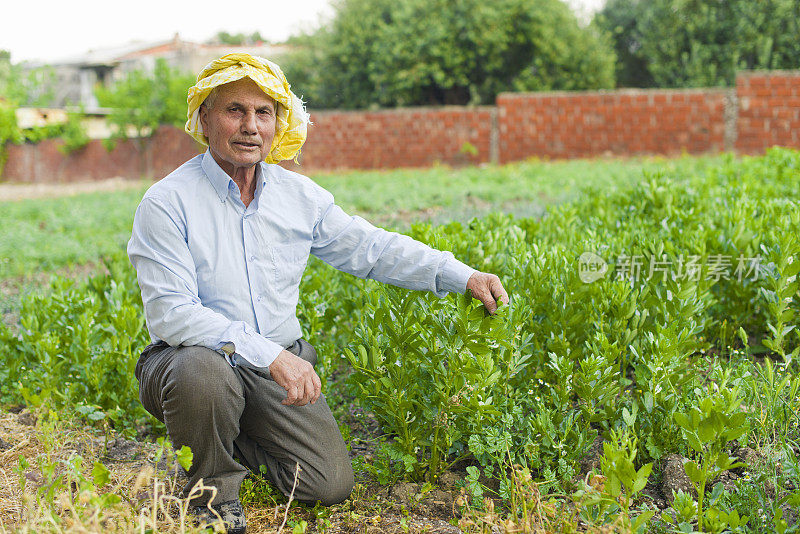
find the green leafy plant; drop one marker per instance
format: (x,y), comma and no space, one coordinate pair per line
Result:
(781,288)
(623,481)
(428,389)
(78,345)
(73,135)
(708,427)
(700,43)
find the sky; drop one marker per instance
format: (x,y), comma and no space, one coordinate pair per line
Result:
(48,30)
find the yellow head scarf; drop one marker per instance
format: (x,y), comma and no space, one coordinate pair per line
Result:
(291,116)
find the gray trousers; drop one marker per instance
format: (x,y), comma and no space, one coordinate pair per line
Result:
(222,412)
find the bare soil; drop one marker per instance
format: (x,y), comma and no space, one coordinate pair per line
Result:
(17,191)
(397,509)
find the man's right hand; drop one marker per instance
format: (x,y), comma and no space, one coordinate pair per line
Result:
(297,377)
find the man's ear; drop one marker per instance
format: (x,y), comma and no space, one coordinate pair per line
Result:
(203,114)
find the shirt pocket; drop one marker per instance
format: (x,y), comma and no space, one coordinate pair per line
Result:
(290,263)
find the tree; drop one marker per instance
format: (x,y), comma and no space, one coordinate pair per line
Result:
(24,85)
(699,43)
(142,101)
(12,87)
(429,52)
(34,87)
(224,37)
(620,18)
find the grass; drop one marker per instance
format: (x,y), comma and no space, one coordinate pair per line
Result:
(44,235)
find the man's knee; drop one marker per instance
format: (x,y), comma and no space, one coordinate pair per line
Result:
(201,375)
(333,486)
(341,486)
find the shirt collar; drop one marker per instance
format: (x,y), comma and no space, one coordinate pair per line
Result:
(222,182)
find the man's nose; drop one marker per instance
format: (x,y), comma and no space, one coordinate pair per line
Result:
(249,123)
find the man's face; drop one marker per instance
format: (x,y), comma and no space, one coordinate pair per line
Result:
(240,125)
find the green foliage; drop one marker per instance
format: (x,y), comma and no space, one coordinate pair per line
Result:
(654,361)
(9,131)
(32,88)
(44,235)
(623,482)
(79,345)
(11,76)
(47,235)
(751,495)
(142,101)
(384,53)
(24,85)
(708,427)
(224,37)
(567,360)
(426,370)
(774,390)
(699,43)
(73,134)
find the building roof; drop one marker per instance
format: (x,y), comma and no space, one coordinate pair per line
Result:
(112,56)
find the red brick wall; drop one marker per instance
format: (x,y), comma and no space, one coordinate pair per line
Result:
(43,163)
(763,110)
(413,137)
(769,110)
(625,122)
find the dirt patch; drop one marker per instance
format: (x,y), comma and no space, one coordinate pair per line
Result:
(15,191)
(27,418)
(675,478)
(134,466)
(591,460)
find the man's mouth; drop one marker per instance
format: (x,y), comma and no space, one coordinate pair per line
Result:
(245,144)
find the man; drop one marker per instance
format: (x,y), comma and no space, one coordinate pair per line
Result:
(219,247)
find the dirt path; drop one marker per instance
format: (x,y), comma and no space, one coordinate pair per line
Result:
(16,191)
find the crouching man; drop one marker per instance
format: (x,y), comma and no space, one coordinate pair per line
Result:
(219,248)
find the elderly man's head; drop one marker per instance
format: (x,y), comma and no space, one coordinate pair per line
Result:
(291,118)
(238,119)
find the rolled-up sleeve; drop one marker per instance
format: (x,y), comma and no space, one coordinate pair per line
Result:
(167,278)
(353,245)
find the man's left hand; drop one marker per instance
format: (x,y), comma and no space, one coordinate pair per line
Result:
(488,289)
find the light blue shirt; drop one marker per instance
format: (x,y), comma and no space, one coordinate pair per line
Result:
(214,272)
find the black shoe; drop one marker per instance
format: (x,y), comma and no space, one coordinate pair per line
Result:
(229,512)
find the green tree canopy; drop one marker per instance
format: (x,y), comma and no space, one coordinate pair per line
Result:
(12,89)
(428,52)
(32,87)
(24,86)
(144,100)
(699,43)
(224,37)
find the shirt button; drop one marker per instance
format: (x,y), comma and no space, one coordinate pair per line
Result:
(258,298)
(252,258)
